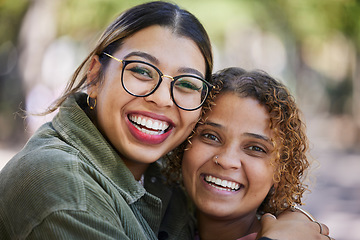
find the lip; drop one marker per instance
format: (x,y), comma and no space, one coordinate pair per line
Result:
(145,137)
(219,189)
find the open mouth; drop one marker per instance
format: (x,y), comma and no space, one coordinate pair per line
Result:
(222,184)
(149,125)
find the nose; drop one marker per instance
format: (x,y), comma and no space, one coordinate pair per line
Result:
(162,96)
(229,158)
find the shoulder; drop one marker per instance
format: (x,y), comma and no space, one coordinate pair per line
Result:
(42,161)
(42,178)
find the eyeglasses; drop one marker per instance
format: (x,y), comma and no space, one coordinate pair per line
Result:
(142,79)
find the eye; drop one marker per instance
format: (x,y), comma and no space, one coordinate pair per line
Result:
(141,71)
(188,84)
(256,149)
(211,137)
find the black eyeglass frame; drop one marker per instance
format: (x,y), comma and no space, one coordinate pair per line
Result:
(161,75)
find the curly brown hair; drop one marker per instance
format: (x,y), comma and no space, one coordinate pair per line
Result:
(290,140)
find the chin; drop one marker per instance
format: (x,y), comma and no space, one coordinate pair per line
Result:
(214,210)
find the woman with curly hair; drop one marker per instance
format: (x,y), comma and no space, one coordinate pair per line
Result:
(246,157)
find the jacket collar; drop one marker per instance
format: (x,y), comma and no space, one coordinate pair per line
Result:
(76,128)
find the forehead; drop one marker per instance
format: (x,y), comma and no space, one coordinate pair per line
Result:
(230,100)
(167,46)
(239,114)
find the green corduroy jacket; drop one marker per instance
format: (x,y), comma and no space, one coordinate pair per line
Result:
(68,182)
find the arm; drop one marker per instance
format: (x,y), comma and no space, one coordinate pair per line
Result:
(76,225)
(291,225)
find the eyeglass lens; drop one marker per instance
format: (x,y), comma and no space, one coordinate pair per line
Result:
(140,79)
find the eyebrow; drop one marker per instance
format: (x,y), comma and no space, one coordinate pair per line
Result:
(254,135)
(258,136)
(147,56)
(214,124)
(156,62)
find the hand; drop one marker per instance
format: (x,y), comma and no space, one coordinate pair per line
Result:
(292,225)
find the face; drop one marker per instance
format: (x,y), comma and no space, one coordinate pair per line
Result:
(143,129)
(237,131)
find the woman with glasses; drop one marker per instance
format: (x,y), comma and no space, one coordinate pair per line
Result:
(91,173)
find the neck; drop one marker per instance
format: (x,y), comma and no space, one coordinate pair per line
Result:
(211,228)
(137,169)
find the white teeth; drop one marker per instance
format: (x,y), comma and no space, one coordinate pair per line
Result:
(149,123)
(164,126)
(152,124)
(156,125)
(147,131)
(213,179)
(218,181)
(223,183)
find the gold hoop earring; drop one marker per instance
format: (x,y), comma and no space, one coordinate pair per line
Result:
(88,102)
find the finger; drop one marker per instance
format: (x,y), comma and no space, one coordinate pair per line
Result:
(306,213)
(268,216)
(288,214)
(320,226)
(327,237)
(325,229)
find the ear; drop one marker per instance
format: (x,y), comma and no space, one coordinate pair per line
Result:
(92,75)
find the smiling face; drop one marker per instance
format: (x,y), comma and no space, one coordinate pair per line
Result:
(237,131)
(143,129)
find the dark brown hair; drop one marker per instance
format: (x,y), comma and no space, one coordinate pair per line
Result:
(165,14)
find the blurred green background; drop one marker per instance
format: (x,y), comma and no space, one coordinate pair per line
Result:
(311,45)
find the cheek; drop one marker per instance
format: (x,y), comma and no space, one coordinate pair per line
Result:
(107,103)
(190,164)
(187,164)
(261,175)
(189,119)
(110,87)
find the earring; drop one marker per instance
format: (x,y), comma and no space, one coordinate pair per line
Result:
(216,160)
(88,102)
